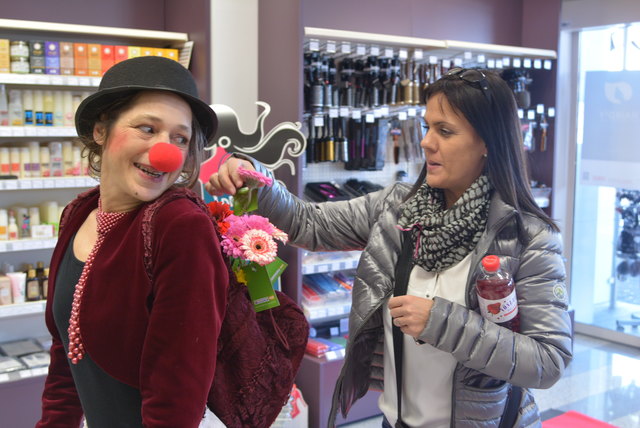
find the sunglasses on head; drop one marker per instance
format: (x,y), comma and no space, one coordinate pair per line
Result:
(473,77)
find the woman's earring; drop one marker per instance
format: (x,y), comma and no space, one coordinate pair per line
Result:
(485,155)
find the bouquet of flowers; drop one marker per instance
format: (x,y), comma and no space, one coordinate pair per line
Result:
(250,241)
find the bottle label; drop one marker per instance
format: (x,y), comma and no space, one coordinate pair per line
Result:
(501,310)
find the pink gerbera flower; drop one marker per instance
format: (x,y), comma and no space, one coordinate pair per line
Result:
(254,178)
(258,247)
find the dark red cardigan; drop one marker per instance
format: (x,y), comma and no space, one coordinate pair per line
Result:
(161,336)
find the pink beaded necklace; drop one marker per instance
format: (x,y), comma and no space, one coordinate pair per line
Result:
(106,221)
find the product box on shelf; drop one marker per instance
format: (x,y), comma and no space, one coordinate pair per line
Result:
(120,53)
(94,59)
(134,51)
(66,58)
(80,59)
(52,57)
(107,57)
(36,57)
(5,59)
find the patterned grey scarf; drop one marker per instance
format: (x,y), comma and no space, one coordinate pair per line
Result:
(445,236)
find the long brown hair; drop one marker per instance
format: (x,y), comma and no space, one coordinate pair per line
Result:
(495,119)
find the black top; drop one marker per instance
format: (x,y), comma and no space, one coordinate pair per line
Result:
(106,402)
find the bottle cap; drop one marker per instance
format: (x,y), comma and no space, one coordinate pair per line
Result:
(491,263)
(31,273)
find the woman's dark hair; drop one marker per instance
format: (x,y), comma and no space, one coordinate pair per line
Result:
(493,113)
(108,117)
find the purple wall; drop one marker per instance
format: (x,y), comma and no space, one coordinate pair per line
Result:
(481,21)
(167,15)
(113,13)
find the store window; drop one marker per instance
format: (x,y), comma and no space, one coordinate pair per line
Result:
(605,268)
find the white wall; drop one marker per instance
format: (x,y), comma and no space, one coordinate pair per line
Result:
(234,57)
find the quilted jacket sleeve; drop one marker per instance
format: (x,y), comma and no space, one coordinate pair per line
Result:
(537,356)
(325,226)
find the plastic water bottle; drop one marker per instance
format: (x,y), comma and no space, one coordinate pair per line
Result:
(497,294)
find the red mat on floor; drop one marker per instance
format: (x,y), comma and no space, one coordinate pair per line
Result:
(573,419)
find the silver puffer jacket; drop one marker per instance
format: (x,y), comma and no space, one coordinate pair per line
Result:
(489,357)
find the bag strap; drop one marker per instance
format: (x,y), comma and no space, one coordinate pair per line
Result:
(511,408)
(403,269)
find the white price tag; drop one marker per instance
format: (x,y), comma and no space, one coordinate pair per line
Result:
(318,121)
(433,59)
(356,114)
(467,55)
(526,63)
(49,183)
(370,118)
(42,131)
(57,80)
(40,371)
(24,373)
(506,61)
(25,184)
(547,64)
(18,131)
(95,81)
(446,63)
(331,47)
(344,111)
(521,113)
(345,48)
(551,112)
(531,114)
(537,64)
(5,131)
(517,63)
(37,184)
(411,112)
(30,245)
(30,79)
(18,246)
(377,113)
(375,50)
(42,80)
(403,54)
(4,377)
(388,52)
(499,63)
(84,81)
(314,45)
(417,54)
(491,63)
(72,81)
(482,59)
(361,50)
(540,108)
(402,115)
(457,62)
(331,355)
(384,111)
(333,112)
(10,184)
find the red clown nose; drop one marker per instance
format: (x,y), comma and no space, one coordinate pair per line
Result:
(165,157)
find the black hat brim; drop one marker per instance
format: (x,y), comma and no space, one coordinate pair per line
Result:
(91,107)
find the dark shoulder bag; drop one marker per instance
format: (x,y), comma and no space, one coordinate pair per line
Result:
(258,353)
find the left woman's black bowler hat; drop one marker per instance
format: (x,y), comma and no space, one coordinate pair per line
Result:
(139,74)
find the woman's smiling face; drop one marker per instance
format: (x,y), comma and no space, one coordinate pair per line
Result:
(454,151)
(127,178)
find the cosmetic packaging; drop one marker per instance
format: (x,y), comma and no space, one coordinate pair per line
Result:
(18,281)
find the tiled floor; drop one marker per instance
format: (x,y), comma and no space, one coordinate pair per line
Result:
(603,382)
